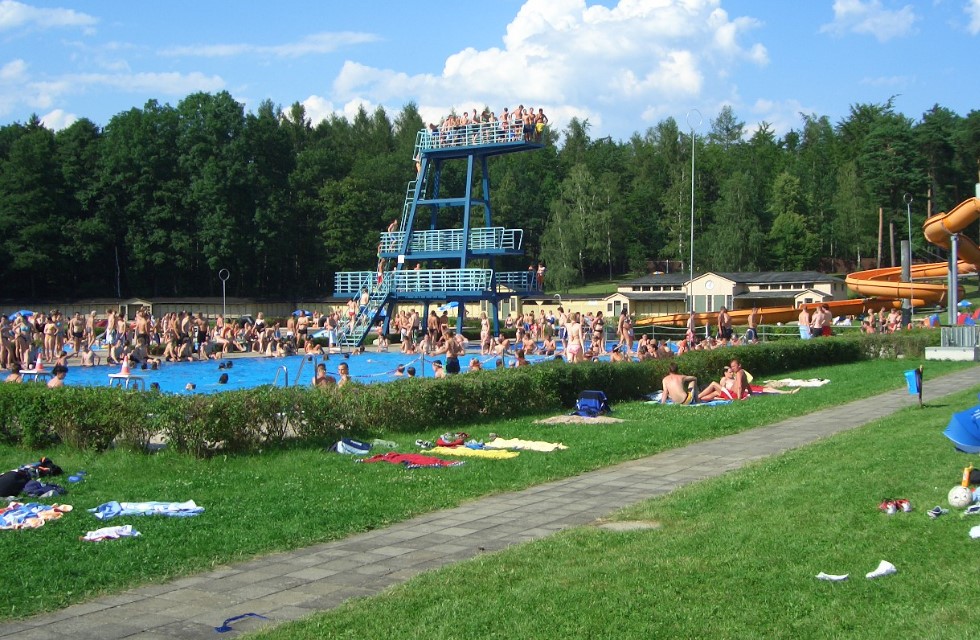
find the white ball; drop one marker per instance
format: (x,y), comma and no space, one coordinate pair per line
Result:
(960,497)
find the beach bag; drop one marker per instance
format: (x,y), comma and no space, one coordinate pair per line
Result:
(351,447)
(591,404)
(452,439)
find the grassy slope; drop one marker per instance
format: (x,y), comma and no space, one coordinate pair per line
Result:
(736,557)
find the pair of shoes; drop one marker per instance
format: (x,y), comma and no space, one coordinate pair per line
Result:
(891,507)
(972,510)
(423,444)
(937,511)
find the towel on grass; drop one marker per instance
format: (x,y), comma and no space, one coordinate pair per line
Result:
(412,460)
(173,509)
(31,515)
(500,454)
(524,445)
(655,399)
(793,382)
(110,533)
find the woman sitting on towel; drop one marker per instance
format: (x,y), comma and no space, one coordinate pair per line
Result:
(722,390)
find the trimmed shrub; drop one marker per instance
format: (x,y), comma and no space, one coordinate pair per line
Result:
(250,420)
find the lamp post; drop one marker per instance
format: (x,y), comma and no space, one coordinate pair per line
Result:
(908,213)
(691,124)
(224,274)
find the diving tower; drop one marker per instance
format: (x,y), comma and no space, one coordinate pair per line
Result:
(407,256)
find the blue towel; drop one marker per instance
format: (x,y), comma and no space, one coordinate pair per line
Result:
(173,509)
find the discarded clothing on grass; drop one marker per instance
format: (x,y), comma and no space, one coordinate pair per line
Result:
(524,445)
(499,454)
(110,533)
(793,382)
(38,489)
(174,509)
(411,460)
(576,419)
(30,515)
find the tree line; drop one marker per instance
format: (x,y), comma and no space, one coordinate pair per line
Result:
(163,197)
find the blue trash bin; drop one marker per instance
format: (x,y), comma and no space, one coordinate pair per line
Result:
(912,379)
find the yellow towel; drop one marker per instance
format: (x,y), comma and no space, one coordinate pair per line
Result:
(473,453)
(527,445)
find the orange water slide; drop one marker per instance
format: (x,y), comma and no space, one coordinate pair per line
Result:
(887,282)
(766,315)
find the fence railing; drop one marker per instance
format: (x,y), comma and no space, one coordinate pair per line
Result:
(451,240)
(960,336)
(476,134)
(351,282)
(519,280)
(426,280)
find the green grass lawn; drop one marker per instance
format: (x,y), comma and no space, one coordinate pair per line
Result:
(734,557)
(291,498)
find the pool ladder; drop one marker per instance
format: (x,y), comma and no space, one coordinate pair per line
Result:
(283,370)
(314,359)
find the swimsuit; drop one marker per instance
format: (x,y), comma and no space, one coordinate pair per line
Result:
(452,364)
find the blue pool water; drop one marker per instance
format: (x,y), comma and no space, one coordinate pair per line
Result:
(246,373)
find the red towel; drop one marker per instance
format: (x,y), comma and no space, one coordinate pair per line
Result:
(412,460)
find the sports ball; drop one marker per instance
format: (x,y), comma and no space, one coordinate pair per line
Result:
(960,497)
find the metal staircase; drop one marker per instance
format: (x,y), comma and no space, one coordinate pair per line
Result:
(354,332)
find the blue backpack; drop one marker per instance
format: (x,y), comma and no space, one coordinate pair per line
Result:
(352,447)
(591,404)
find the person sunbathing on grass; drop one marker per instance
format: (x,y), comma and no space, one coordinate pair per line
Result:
(678,388)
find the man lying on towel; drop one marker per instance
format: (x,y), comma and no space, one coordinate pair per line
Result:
(678,388)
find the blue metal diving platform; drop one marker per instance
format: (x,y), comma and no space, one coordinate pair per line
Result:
(437,229)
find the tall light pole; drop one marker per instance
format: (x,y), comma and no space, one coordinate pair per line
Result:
(908,213)
(691,124)
(224,274)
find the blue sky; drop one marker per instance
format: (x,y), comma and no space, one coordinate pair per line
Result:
(624,65)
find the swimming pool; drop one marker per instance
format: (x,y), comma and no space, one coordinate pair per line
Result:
(249,372)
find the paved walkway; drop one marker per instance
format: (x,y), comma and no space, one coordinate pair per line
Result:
(287,586)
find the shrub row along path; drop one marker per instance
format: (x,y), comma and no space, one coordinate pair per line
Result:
(288,586)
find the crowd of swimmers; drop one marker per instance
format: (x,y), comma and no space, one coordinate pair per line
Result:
(146,342)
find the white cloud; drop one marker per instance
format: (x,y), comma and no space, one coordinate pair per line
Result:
(58,119)
(13,71)
(638,58)
(972,10)
(45,94)
(868,17)
(317,43)
(14,15)
(318,109)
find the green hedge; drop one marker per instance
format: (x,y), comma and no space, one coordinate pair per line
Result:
(248,421)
